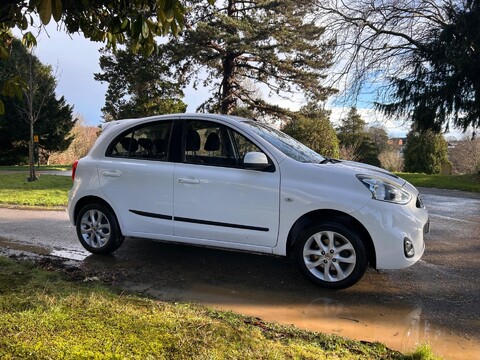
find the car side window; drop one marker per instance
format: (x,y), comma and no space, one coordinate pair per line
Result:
(149,141)
(214,144)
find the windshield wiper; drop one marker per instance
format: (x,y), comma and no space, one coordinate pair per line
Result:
(329,160)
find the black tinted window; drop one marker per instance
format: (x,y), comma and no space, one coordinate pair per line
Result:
(149,141)
(211,143)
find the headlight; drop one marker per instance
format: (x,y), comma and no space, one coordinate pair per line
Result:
(385,191)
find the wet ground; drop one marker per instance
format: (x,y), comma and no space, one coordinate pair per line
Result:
(435,301)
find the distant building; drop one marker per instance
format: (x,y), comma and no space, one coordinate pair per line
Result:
(397,144)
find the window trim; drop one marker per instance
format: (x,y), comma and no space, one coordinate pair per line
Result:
(132,130)
(229,130)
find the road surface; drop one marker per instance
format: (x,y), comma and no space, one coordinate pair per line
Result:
(436,301)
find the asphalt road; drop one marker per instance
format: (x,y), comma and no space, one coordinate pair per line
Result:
(435,301)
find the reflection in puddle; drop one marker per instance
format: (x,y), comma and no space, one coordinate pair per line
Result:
(64,254)
(401,328)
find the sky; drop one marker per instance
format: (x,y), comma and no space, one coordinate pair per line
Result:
(76,60)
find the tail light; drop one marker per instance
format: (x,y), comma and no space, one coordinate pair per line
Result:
(74,169)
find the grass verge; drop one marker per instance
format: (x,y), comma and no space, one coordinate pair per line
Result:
(52,190)
(43,316)
(47,191)
(37,168)
(468,182)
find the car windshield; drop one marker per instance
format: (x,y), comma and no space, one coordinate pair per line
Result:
(286,144)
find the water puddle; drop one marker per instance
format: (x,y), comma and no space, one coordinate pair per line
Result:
(30,248)
(402,328)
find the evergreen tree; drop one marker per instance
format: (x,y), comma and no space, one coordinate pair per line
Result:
(274,44)
(313,128)
(425,152)
(138,86)
(54,120)
(353,133)
(444,85)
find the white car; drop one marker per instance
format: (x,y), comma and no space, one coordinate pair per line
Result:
(228,182)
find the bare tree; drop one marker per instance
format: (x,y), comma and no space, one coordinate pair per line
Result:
(376,38)
(38,88)
(465,156)
(84,138)
(391,160)
(350,152)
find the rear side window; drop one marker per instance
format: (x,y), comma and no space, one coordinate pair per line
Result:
(149,141)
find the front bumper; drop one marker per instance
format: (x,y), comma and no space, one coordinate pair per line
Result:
(389,225)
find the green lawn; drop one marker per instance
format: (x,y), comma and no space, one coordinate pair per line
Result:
(47,191)
(52,190)
(43,316)
(453,182)
(37,168)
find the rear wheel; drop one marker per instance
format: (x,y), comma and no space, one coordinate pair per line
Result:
(98,230)
(331,255)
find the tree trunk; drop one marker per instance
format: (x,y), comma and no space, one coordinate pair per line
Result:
(228,87)
(228,84)
(31,162)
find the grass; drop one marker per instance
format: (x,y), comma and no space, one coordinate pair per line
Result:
(467,182)
(43,316)
(47,191)
(52,190)
(37,168)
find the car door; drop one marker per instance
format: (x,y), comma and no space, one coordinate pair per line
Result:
(137,179)
(216,197)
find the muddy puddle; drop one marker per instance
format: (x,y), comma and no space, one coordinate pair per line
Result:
(77,255)
(401,328)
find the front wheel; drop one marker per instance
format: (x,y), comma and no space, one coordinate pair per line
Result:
(331,255)
(98,230)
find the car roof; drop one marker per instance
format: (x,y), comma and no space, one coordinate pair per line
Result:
(128,122)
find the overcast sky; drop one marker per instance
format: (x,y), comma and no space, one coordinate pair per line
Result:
(77,61)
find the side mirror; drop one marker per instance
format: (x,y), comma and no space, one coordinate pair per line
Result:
(256,161)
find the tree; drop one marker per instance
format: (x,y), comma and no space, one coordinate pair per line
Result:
(38,110)
(379,137)
(465,156)
(425,152)
(108,21)
(138,86)
(444,85)
(391,160)
(355,139)
(277,45)
(313,128)
(426,51)
(83,139)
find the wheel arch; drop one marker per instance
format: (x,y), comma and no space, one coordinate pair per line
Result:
(310,218)
(92,200)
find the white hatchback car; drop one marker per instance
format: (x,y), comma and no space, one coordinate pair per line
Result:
(228,182)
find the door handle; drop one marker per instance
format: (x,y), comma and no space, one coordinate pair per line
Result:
(111,173)
(188,181)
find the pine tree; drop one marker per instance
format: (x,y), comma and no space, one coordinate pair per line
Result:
(425,152)
(138,86)
(276,45)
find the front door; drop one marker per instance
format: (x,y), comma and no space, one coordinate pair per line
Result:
(216,197)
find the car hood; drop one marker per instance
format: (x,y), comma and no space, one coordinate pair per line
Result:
(365,169)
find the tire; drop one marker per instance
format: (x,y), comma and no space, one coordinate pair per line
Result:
(98,230)
(331,255)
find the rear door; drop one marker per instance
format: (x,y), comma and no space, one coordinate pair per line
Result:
(137,179)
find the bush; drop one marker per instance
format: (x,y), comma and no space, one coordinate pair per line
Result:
(391,160)
(465,156)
